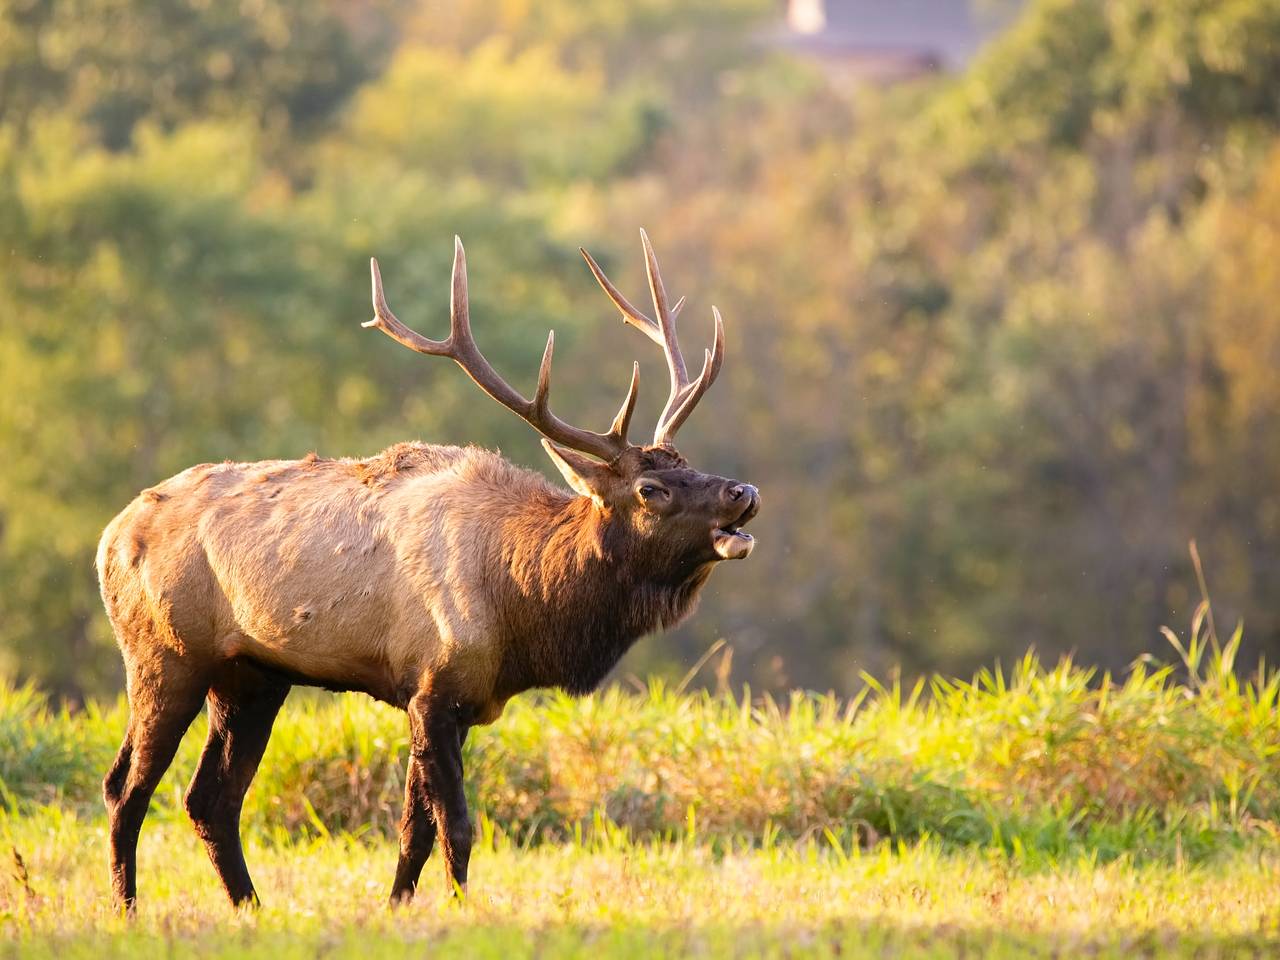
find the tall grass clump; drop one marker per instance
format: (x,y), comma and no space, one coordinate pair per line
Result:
(1164,760)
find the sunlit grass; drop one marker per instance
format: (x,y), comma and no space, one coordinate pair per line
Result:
(607,896)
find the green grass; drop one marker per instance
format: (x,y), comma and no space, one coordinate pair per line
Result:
(608,897)
(1018,814)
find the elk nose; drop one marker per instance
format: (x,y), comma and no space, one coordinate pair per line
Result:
(740,491)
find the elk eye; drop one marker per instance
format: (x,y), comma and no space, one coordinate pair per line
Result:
(648,490)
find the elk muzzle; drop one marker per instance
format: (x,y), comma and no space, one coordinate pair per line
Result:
(741,502)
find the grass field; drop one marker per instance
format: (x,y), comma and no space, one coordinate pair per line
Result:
(1034,813)
(607,897)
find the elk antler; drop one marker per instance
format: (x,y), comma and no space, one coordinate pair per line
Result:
(461,347)
(684,394)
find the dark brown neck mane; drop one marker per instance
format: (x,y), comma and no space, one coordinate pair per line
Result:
(586,588)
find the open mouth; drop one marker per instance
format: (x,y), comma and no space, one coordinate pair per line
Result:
(730,541)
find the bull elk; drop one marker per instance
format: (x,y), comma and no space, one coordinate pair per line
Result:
(440,579)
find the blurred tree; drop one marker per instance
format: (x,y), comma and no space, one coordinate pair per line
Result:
(999,344)
(144,329)
(287,64)
(996,310)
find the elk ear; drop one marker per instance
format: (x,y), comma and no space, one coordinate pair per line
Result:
(588,477)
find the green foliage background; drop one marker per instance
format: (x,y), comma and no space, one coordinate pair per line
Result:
(999,343)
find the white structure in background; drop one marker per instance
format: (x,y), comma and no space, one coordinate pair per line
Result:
(883,41)
(806,17)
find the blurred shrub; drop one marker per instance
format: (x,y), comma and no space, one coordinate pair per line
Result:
(1042,759)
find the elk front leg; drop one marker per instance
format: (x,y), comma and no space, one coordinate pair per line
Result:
(243,704)
(417,829)
(434,797)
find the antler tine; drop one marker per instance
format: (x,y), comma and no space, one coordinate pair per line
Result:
(666,321)
(680,406)
(386,321)
(459,301)
(542,392)
(622,422)
(461,348)
(630,313)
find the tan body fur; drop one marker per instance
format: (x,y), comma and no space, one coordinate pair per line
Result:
(379,575)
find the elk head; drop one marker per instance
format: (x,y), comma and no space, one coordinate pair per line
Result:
(676,511)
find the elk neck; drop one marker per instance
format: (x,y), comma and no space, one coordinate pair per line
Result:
(587,588)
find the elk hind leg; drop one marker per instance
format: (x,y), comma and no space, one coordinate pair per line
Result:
(160,710)
(243,703)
